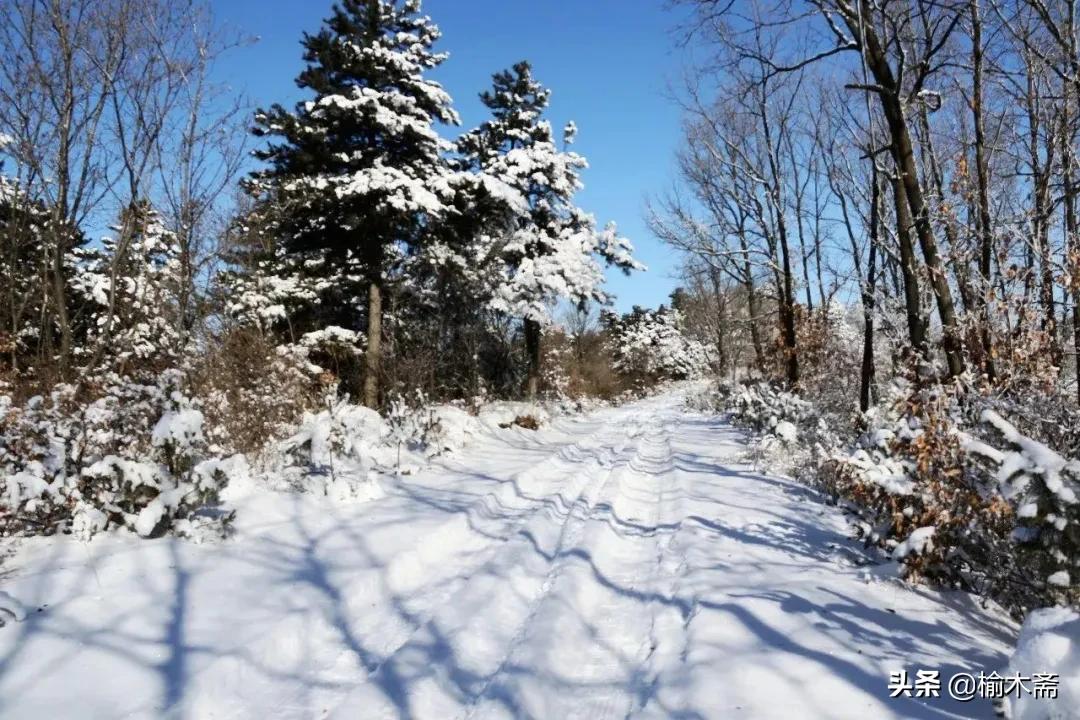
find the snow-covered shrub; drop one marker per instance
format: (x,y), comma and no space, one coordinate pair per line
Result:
(343,448)
(250,394)
(334,438)
(36,479)
(135,457)
(928,467)
(651,346)
(1043,487)
(453,428)
(577,362)
(782,415)
(555,379)
(1049,643)
(795,435)
(762,406)
(129,287)
(410,423)
(327,354)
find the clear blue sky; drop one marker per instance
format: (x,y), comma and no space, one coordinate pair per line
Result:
(607,62)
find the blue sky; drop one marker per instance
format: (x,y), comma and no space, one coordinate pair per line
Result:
(607,62)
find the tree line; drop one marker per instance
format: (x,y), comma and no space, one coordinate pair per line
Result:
(372,245)
(913,164)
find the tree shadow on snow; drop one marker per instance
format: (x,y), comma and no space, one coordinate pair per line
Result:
(328,570)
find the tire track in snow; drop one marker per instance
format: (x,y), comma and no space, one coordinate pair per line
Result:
(671,612)
(383,607)
(451,659)
(583,649)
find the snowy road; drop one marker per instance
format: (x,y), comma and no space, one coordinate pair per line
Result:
(620,565)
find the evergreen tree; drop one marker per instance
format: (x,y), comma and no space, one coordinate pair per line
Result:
(359,171)
(30,239)
(549,248)
(126,298)
(23,258)
(652,345)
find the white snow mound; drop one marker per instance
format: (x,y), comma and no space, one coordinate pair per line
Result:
(1049,642)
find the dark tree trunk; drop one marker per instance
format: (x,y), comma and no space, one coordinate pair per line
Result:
(532,350)
(912,302)
(866,374)
(982,176)
(721,320)
(373,357)
(904,158)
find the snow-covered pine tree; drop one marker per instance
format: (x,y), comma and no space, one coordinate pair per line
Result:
(127,291)
(550,249)
(651,345)
(23,254)
(359,171)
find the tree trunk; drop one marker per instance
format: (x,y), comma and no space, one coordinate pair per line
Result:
(904,158)
(1071,247)
(721,320)
(802,246)
(752,305)
(60,306)
(786,285)
(373,357)
(912,302)
(532,350)
(866,374)
(982,176)
(787,315)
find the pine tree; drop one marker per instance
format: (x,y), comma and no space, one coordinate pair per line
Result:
(126,294)
(653,345)
(23,224)
(549,248)
(31,237)
(359,172)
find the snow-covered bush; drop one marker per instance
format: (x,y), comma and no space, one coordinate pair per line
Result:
(931,484)
(341,450)
(135,457)
(251,394)
(1043,487)
(1049,644)
(651,346)
(338,449)
(326,354)
(762,406)
(938,478)
(410,423)
(129,288)
(920,496)
(785,418)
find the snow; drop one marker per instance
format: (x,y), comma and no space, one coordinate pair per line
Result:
(1036,458)
(1059,579)
(10,609)
(623,563)
(919,541)
(503,413)
(181,429)
(787,432)
(1049,643)
(885,472)
(149,517)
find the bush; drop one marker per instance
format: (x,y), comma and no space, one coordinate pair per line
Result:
(931,486)
(251,393)
(134,457)
(925,477)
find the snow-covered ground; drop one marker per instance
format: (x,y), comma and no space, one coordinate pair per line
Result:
(623,564)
